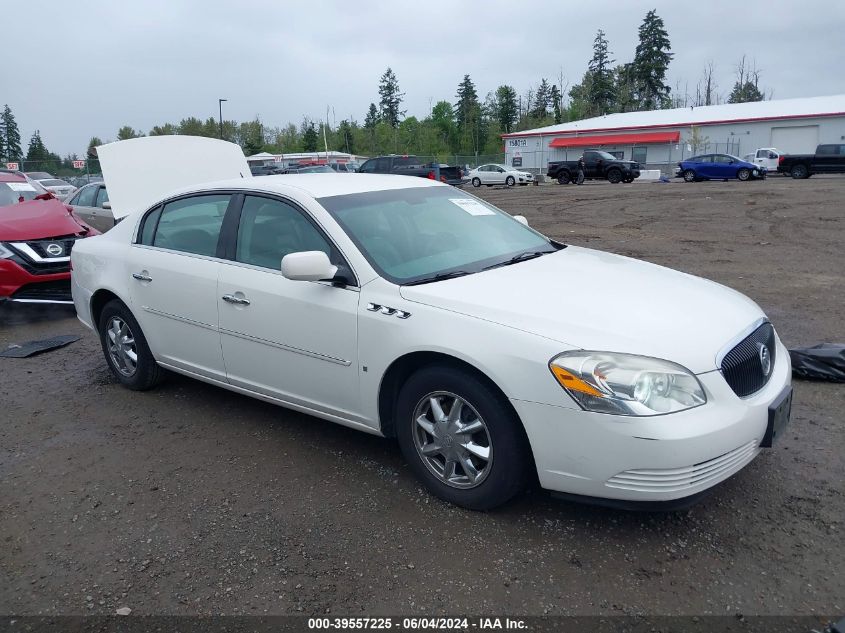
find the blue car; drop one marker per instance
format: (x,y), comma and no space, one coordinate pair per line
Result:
(718,167)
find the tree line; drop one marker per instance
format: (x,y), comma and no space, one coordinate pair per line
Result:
(467,126)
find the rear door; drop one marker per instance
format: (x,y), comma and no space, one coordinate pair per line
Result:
(827,159)
(174,268)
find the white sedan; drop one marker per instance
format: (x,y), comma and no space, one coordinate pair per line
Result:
(57,187)
(402,307)
(499,175)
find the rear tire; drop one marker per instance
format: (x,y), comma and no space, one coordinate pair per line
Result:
(799,171)
(743,174)
(127,354)
(564,178)
(434,439)
(614,176)
(476,182)
(689,176)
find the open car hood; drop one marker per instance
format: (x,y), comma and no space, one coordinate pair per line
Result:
(141,171)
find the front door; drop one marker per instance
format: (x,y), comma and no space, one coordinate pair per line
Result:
(293,340)
(174,270)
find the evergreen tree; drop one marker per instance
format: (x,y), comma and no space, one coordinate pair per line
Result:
(346,137)
(507,108)
(11,135)
(555,99)
(468,115)
(601,89)
(163,130)
(372,117)
(127,132)
(191,126)
(542,99)
(37,154)
(390,98)
(623,80)
(743,93)
(651,61)
(310,138)
(93,144)
(746,87)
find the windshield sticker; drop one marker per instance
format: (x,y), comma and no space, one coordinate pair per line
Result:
(20,186)
(473,207)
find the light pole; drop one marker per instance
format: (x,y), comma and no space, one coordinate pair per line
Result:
(220,106)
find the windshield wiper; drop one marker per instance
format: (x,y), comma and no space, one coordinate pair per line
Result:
(438,277)
(519,258)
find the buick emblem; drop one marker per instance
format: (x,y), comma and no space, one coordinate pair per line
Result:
(765,360)
(54,249)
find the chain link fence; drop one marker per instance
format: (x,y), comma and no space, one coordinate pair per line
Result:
(76,172)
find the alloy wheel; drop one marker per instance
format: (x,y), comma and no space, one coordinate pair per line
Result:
(452,440)
(121,346)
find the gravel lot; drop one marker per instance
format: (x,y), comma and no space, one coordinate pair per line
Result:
(193,500)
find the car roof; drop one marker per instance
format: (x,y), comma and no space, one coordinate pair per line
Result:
(9,177)
(319,185)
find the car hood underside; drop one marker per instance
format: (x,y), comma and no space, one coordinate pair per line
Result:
(593,300)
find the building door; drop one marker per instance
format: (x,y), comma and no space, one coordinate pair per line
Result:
(798,139)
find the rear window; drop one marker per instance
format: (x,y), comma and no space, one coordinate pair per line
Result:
(13,192)
(54,183)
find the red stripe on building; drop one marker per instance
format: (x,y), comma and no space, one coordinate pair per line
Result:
(617,139)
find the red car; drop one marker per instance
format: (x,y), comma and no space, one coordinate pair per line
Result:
(37,233)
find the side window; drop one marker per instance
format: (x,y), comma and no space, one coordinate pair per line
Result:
(368,167)
(192,225)
(74,199)
(102,196)
(383,165)
(826,150)
(86,196)
(842,150)
(270,229)
(639,154)
(149,226)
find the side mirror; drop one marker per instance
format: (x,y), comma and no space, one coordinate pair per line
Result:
(107,205)
(521,219)
(308,266)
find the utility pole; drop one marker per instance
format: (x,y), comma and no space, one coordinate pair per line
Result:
(220,106)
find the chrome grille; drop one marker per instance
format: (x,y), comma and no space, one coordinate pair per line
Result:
(675,479)
(742,366)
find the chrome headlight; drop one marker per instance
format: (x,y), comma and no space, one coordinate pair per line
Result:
(625,384)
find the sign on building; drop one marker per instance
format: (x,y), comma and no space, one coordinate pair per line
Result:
(79,164)
(12,166)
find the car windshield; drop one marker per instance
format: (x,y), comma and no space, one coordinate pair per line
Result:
(415,234)
(39,175)
(12,192)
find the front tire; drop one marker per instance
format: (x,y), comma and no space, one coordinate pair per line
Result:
(509,181)
(743,174)
(564,178)
(614,176)
(127,354)
(689,175)
(461,438)
(476,182)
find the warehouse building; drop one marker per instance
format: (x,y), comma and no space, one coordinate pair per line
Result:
(661,138)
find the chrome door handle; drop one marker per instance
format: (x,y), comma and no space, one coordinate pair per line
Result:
(235,300)
(141,277)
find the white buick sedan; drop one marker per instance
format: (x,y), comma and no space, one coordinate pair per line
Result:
(407,308)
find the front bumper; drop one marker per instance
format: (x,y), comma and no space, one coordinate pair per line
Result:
(653,459)
(22,286)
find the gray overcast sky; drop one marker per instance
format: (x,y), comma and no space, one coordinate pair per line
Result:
(82,68)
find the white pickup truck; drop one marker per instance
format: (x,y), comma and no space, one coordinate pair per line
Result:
(765,157)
